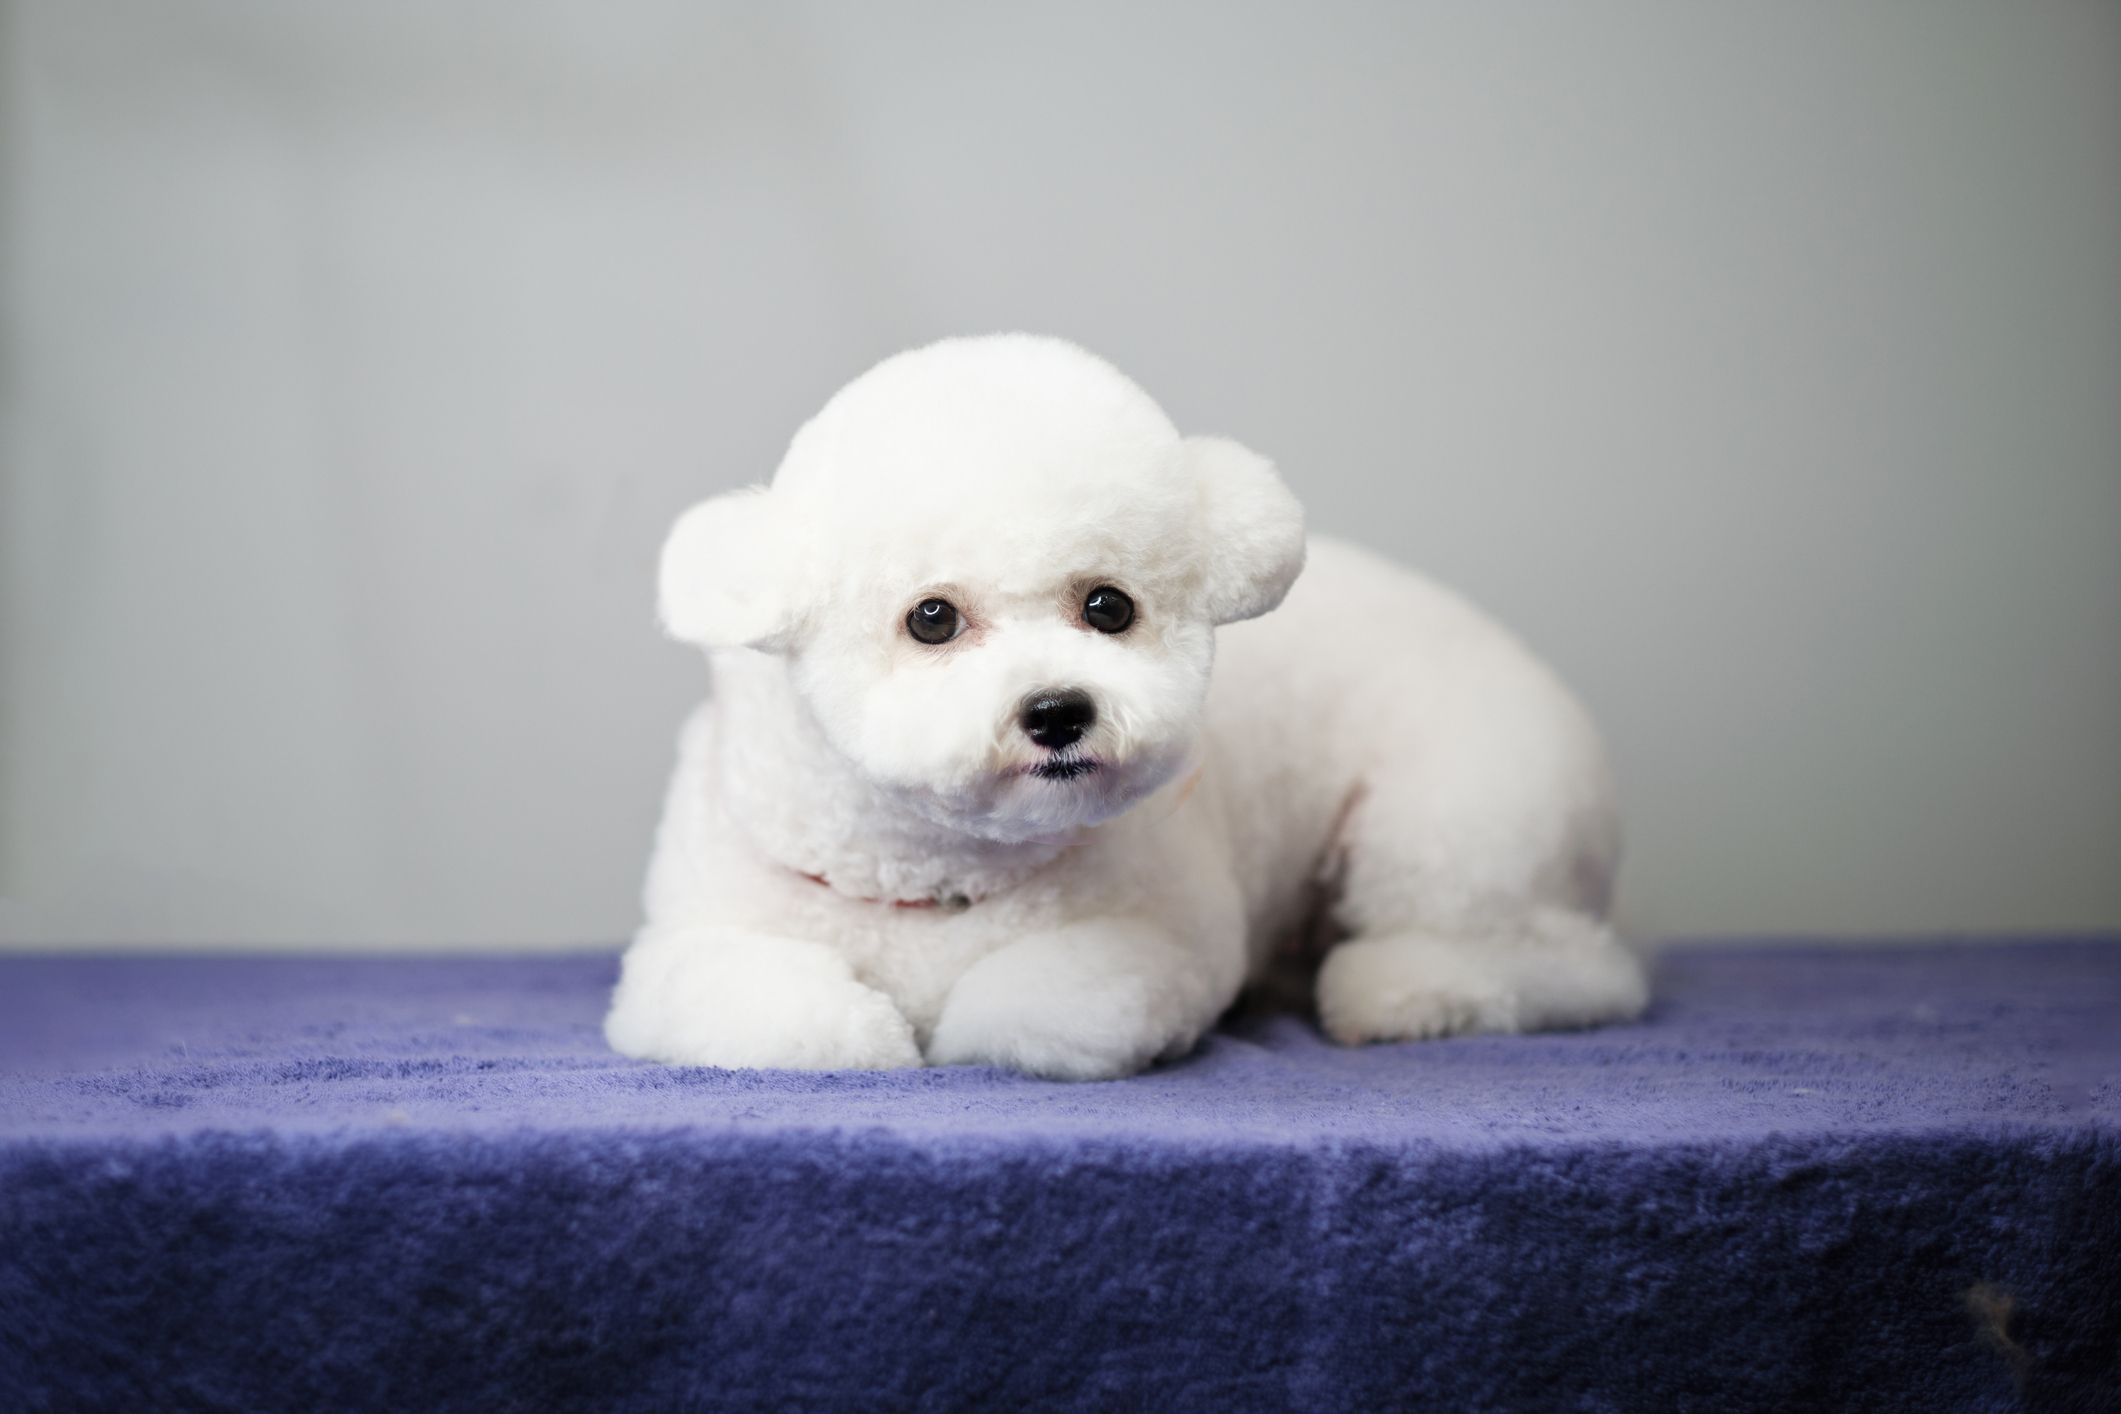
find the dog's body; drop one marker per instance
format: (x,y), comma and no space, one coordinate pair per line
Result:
(829,889)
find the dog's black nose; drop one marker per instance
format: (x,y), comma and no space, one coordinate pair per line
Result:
(1057,717)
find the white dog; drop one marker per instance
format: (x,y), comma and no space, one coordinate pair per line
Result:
(964,792)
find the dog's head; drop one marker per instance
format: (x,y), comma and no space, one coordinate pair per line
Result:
(994,569)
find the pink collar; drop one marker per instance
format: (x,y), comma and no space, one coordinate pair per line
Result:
(954,903)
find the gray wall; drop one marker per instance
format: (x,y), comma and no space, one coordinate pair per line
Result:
(1760,362)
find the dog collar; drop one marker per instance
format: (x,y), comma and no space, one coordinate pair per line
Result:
(949,903)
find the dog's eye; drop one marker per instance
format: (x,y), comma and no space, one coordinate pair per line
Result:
(1107,610)
(934,621)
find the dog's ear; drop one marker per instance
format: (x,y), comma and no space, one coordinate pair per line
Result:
(724,579)
(1253,533)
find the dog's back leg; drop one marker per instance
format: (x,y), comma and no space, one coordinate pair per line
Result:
(1479,861)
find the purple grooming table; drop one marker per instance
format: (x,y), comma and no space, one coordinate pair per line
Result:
(1811,1176)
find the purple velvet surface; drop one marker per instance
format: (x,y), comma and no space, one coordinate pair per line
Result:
(1887,1174)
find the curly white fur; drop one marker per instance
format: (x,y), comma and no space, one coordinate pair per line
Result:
(856,867)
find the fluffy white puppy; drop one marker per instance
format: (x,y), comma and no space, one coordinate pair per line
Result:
(966,790)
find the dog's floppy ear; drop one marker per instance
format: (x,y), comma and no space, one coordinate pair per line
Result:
(1252,544)
(724,579)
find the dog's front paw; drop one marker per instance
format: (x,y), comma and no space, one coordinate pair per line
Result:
(740,1000)
(1074,1006)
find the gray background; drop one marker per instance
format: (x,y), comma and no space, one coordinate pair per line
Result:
(1759,362)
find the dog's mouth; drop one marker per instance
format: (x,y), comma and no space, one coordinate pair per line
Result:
(1064,768)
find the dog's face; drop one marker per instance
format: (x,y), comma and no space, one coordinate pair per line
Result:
(995,571)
